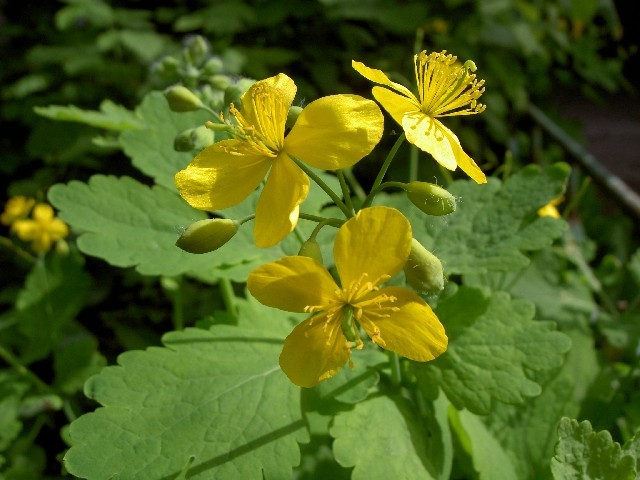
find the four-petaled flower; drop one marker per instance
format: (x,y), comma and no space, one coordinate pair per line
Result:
(330,133)
(44,229)
(369,249)
(444,89)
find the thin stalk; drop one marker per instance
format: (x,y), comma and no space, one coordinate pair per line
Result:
(334,222)
(340,204)
(413,163)
(383,171)
(22,254)
(354,184)
(396,375)
(346,194)
(8,357)
(178,307)
(575,200)
(228,296)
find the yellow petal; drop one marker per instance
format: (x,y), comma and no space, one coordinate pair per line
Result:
(314,351)
(377,241)
(278,207)
(291,284)
(378,76)
(57,229)
(335,132)
(284,87)
(431,136)
(222,175)
(26,229)
(42,212)
(413,330)
(396,105)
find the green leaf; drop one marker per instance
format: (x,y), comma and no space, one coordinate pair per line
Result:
(582,453)
(494,224)
(216,400)
(489,458)
(383,438)
(12,389)
(110,116)
(129,224)
(151,149)
(494,346)
(54,293)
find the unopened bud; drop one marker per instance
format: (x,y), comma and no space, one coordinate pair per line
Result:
(219,81)
(292,116)
(197,49)
(213,66)
(432,199)
(311,249)
(423,270)
(193,139)
(181,99)
(207,235)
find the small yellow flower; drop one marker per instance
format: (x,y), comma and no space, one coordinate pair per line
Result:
(550,209)
(44,229)
(369,249)
(16,208)
(445,88)
(330,133)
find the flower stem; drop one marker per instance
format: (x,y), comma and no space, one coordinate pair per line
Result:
(334,222)
(340,204)
(346,194)
(396,376)
(354,184)
(8,357)
(383,171)
(413,164)
(228,297)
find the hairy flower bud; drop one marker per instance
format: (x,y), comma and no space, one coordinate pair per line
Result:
(197,49)
(311,249)
(423,270)
(193,139)
(432,199)
(207,235)
(181,99)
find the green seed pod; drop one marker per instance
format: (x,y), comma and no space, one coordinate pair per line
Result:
(423,270)
(292,116)
(311,249)
(181,99)
(430,198)
(207,235)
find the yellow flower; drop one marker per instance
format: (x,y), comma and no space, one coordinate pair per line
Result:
(369,249)
(16,208)
(444,89)
(44,229)
(331,133)
(550,210)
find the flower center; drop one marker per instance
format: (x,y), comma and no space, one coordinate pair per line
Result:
(446,89)
(260,123)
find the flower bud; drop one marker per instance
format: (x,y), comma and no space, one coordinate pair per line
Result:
(292,116)
(311,249)
(219,81)
(197,49)
(423,270)
(430,198)
(193,139)
(181,99)
(207,235)
(213,66)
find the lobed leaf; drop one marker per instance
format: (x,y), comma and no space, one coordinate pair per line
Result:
(494,346)
(210,404)
(111,116)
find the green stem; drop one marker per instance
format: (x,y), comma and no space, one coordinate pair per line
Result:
(413,164)
(346,194)
(298,234)
(575,201)
(22,254)
(386,185)
(246,219)
(340,204)
(228,296)
(396,375)
(8,357)
(383,171)
(334,222)
(354,184)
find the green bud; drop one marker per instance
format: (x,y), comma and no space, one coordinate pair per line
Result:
(430,198)
(181,99)
(219,81)
(197,49)
(232,94)
(207,235)
(423,270)
(193,139)
(311,249)
(167,67)
(292,116)
(213,66)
